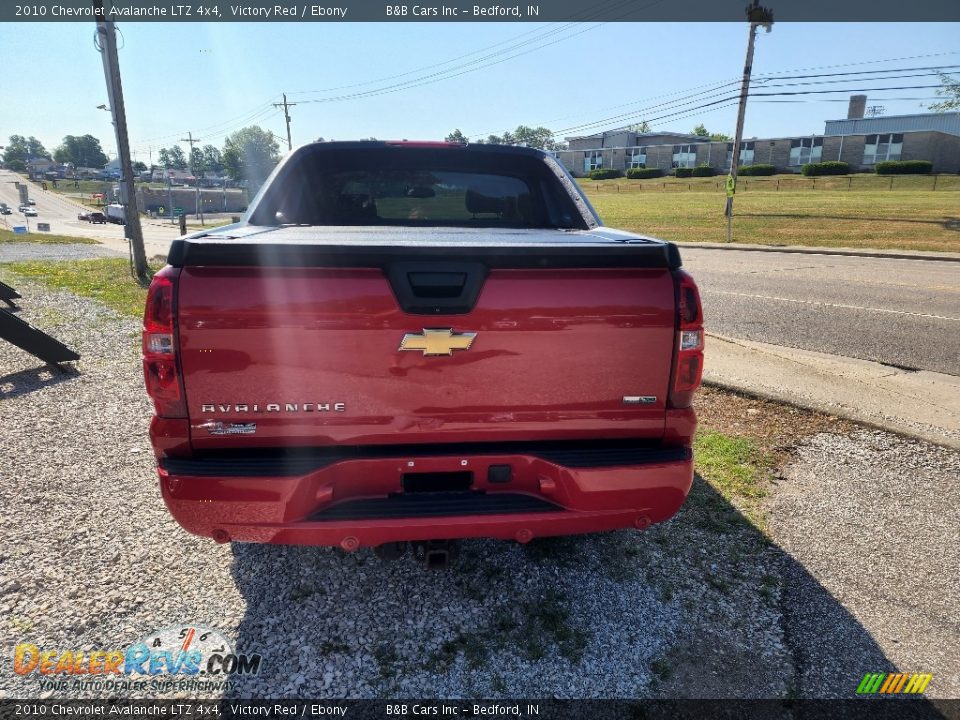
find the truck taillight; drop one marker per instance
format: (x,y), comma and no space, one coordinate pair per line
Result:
(688,358)
(160,368)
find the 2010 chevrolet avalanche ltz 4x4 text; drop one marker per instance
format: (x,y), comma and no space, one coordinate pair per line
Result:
(421,341)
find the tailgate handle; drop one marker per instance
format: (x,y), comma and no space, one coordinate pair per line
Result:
(433,287)
(437,284)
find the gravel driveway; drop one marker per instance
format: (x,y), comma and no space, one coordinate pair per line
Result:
(17,252)
(91,559)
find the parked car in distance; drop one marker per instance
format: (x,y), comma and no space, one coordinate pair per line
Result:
(29,211)
(97,217)
(31,201)
(83,216)
(5,209)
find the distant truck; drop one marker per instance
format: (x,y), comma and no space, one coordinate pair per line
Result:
(116,214)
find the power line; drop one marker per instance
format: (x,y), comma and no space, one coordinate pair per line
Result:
(245,114)
(479,63)
(264,114)
(730,98)
(639,113)
(776,75)
(419,69)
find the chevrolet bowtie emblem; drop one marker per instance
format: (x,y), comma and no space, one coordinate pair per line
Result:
(441,341)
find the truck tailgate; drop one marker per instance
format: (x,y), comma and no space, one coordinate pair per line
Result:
(310,356)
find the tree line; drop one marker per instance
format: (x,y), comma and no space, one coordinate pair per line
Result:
(543,138)
(248,154)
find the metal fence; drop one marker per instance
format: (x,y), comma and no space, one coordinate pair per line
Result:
(790,183)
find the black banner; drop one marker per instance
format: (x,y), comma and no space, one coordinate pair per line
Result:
(854,709)
(478,11)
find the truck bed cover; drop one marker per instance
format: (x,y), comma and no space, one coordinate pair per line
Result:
(377,246)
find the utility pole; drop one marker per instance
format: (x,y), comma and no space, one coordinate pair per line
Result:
(757,16)
(189,139)
(286,113)
(107,45)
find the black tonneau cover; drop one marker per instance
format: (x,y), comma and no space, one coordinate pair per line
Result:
(379,246)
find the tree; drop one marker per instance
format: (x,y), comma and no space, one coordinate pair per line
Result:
(81,151)
(197,164)
(538,137)
(19,149)
(701,131)
(251,154)
(212,159)
(172,158)
(950,92)
(641,127)
(456,136)
(139,166)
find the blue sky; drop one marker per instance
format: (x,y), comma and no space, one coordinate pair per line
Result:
(211,78)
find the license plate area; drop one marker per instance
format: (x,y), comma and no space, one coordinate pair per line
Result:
(432,482)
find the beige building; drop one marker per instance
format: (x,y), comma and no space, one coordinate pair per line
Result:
(861,142)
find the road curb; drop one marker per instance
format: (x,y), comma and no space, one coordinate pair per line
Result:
(839,412)
(837,386)
(804,250)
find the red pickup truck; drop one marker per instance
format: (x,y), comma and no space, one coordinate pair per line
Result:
(414,342)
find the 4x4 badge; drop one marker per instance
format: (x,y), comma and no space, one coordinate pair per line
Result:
(437,341)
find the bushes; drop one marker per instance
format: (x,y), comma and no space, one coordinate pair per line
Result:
(644,173)
(832,167)
(703,171)
(604,174)
(683,172)
(904,167)
(760,169)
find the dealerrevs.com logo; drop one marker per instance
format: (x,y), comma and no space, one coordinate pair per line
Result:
(197,657)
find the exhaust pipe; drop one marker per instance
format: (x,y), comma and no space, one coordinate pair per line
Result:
(435,554)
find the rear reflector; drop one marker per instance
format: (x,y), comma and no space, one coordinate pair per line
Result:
(691,339)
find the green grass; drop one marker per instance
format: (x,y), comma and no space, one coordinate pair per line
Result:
(910,217)
(8,236)
(736,468)
(106,280)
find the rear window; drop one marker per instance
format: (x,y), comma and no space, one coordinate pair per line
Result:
(417,187)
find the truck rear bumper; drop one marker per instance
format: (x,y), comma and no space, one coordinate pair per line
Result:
(322,499)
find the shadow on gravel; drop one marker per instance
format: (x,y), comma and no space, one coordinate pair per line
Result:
(701,606)
(26,381)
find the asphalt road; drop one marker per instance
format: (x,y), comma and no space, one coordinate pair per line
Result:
(904,313)
(61,214)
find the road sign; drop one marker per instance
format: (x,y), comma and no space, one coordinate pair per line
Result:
(731,185)
(43,227)
(20,229)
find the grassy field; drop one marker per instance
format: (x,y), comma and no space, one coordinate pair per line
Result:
(909,217)
(107,280)
(8,236)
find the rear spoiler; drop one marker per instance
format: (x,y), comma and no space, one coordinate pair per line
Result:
(193,252)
